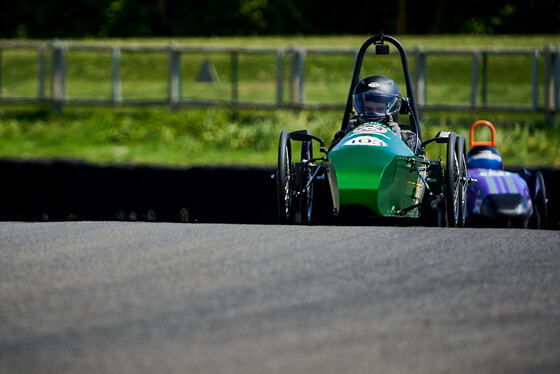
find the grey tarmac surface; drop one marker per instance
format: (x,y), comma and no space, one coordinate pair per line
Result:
(109,297)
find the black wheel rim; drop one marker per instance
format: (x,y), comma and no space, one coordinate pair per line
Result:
(453,180)
(284,175)
(286,184)
(464,188)
(456,191)
(463,180)
(307,197)
(541,202)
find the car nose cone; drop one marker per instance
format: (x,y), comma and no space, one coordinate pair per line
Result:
(510,206)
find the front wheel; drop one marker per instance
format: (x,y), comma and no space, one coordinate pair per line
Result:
(540,202)
(284,178)
(453,184)
(463,182)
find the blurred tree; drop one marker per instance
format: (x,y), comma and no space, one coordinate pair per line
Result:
(113,18)
(438,16)
(401,17)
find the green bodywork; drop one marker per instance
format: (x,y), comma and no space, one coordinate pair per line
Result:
(373,168)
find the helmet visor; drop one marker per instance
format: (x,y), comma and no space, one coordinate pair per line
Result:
(376,104)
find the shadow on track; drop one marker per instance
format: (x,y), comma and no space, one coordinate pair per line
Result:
(66,190)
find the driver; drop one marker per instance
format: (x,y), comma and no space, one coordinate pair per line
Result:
(378,99)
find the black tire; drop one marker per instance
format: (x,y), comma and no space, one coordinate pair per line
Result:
(284,179)
(452,182)
(439,205)
(539,219)
(306,197)
(463,185)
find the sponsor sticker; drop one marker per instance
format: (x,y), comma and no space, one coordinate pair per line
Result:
(418,191)
(366,140)
(492,173)
(371,129)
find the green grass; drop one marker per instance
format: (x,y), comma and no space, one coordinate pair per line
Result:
(210,136)
(225,136)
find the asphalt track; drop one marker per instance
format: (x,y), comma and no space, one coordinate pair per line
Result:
(109,297)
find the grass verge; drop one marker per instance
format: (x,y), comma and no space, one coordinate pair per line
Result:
(226,136)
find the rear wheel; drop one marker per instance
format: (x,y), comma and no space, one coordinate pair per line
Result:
(463,183)
(284,178)
(306,197)
(452,182)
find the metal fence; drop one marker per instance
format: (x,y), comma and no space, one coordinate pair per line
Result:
(295,80)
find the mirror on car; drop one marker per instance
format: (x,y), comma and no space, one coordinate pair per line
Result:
(305,135)
(300,135)
(442,136)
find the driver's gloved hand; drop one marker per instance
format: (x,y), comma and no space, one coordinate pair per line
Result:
(339,135)
(395,128)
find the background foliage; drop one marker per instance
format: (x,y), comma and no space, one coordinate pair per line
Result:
(114,18)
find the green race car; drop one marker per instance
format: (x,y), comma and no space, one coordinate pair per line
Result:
(375,166)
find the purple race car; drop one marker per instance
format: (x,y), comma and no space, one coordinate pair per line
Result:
(499,198)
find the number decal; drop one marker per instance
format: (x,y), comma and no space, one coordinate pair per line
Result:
(366,140)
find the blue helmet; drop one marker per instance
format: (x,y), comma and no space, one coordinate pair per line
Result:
(376,96)
(484,157)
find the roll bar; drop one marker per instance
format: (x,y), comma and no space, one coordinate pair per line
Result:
(379,40)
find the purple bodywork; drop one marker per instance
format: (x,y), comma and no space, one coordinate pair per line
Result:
(496,197)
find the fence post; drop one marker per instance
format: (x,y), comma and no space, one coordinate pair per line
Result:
(58,75)
(41,73)
(296,77)
(535,80)
(549,84)
(234,77)
(116,93)
(474,79)
(301,71)
(174,75)
(484,93)
(279,78)
(0,73)
(556,66)
(420,76)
